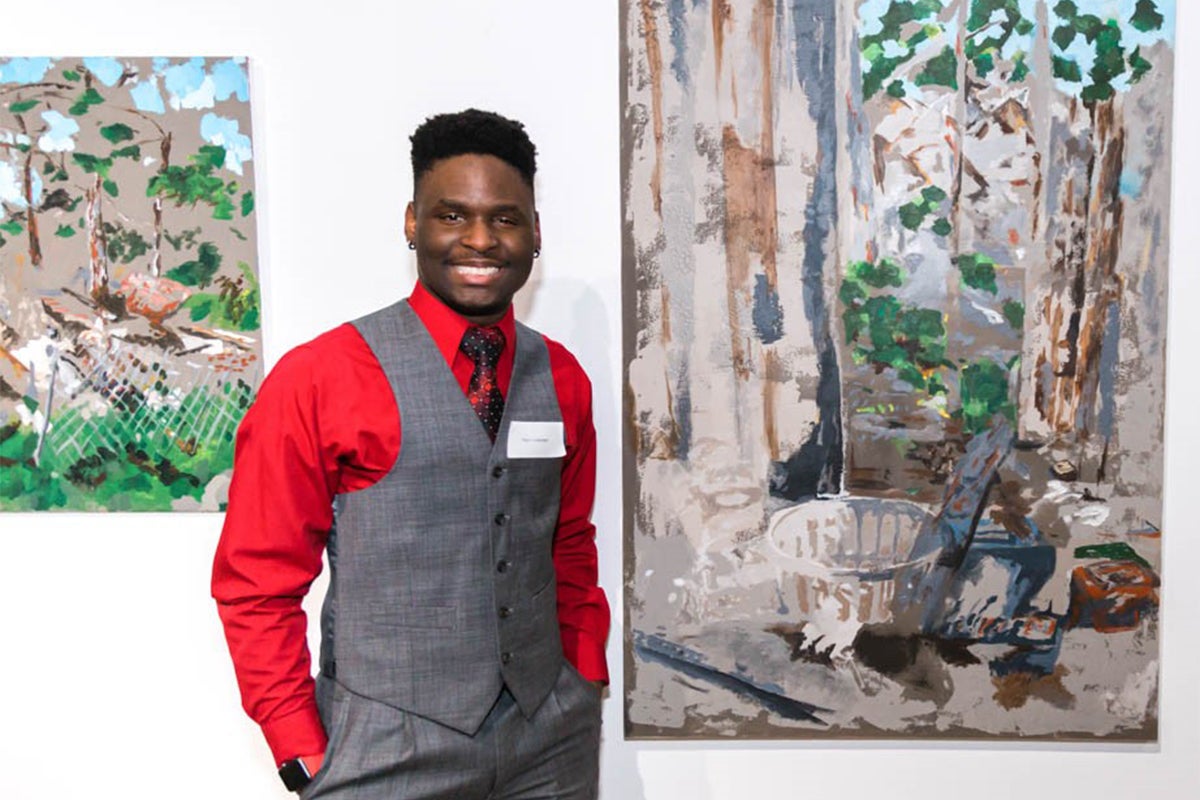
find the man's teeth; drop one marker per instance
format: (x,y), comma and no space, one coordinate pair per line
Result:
(479,271)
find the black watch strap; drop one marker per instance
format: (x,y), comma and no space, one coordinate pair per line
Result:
(295,775)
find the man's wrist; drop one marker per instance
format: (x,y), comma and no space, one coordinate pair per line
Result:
(295,774)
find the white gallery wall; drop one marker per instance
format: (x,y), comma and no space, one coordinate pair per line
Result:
(113,670)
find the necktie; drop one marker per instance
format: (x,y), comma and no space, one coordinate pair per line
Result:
(483,346)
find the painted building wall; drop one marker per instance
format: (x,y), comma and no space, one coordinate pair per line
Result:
(115,673)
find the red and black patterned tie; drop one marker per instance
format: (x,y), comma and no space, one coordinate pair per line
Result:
(483,346)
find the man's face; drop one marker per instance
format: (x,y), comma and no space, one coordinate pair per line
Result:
(475,227)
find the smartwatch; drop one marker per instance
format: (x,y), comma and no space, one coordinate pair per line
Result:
(295,775)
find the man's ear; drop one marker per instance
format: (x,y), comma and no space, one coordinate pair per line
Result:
(410,223)
(537,231)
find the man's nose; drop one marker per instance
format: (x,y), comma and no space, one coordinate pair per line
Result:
(479,236)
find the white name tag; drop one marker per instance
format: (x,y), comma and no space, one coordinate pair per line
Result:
(536,440)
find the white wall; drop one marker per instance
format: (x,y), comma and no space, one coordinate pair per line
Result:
(113,673)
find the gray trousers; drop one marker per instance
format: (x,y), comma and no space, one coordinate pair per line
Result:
(377,752)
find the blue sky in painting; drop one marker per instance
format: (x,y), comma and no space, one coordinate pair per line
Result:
(60,135)
(107,70)
(24,70)
(146,97)
(224,132)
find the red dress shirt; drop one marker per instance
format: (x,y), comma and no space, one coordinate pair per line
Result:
(325,423)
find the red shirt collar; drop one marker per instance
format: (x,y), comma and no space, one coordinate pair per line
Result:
(447,327)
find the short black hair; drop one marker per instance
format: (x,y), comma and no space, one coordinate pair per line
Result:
(472,131)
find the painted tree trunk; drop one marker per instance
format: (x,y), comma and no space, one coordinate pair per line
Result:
(97,249)
(31,218)
(1086,285)
(731,209)
(157,205)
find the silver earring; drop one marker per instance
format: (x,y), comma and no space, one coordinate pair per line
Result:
(412,245)
(537,251)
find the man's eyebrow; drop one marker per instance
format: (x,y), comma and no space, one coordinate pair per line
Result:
(458,205)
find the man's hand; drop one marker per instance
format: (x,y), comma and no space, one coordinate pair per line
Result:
(313,763)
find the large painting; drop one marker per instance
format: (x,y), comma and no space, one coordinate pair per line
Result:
(129,297)
(895,299)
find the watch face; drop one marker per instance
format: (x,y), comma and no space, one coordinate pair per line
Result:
(294,774)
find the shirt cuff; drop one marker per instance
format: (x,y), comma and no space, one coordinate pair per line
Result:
(587,656)
(299,733)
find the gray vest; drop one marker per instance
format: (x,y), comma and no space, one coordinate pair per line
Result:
(441,580)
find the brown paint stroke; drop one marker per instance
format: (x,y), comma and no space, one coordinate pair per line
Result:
(771,367)
(654,59)
(1089,259)
(722,13)
(751,213)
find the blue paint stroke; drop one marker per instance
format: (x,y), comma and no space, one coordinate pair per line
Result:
(1109,355)
(183,83)
(229,77)
(146,98)
(224,132)
(683,411)
(58,137)
(676,16)
(107,70)
(24,70)
(1132,182)
(767,314)
(657,649)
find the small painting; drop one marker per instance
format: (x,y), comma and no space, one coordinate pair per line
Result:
(130,310)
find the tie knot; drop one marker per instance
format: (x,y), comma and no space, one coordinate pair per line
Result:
(483,345)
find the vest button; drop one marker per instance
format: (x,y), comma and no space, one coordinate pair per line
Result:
(505,658)
(497,471)
(503,566)
(505,612)
(501,518)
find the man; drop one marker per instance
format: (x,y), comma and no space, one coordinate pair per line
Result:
(444,456)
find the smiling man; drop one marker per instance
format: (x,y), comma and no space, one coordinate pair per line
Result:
(443,455)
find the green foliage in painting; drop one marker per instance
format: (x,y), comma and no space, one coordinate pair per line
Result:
(941,70)
(21,106)
(93,164)
(991,24)
(914,213)
(1066,69)
(133,152)
(1110,63)
(897,43)
(124,244)
(235,307)
(1020,68)
(118,474)
(117,132)
(1014,314)
(200,270)
(983,387)
(978,272)
(195,183)
(886,332)
(1146,17)
(247,203)
(65,231)
(1138,65)
(86,100)
(12,226)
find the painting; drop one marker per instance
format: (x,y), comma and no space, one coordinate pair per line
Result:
(895,296)
(129,297)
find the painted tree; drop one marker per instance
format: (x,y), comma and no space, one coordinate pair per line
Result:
(1095,65)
